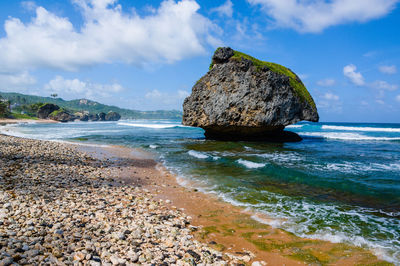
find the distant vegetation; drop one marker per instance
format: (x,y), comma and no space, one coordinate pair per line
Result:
(29,104)
(4,108)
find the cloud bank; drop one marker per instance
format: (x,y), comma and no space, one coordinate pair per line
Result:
(174,31)
(12,81)
(69,88)
(316,15)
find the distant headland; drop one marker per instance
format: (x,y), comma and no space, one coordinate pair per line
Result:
(22,106)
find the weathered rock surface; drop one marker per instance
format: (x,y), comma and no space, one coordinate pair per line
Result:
(46,109)
(82,116)
(102,116)
(62,116)
(244,98)
(112,116)
(93,117)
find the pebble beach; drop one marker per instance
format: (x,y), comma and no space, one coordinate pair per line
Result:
(61,206)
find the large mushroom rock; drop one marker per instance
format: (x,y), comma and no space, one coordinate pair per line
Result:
(243,98)
(112,116)
(46,109)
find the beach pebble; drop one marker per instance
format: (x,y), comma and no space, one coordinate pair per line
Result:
(65,207)
(79,256)
(6,261)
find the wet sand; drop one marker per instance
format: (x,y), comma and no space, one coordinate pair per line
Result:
(223,226)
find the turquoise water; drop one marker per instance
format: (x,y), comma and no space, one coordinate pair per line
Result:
(341,183)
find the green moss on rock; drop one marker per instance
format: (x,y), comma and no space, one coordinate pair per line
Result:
(295,82)
(56,112)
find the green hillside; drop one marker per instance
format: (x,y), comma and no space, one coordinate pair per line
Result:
(18,99)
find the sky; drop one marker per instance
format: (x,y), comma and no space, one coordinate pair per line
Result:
(147,55)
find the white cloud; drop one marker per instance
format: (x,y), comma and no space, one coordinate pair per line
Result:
(28,5)
(383,85)
(355,77)
(317,15)
(225,10)
(370,54)
(75,88)
(175,31)
(380,101)
(154,94)
(168,99)
(330,96)
(16,81)
(398,98)
(326,82)
(388,69)
(330,102)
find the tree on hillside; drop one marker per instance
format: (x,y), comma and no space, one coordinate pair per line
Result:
(4,108)
(54,95)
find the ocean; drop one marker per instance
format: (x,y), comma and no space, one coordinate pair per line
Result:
(341,183)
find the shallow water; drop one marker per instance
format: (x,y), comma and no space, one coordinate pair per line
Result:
(341,183)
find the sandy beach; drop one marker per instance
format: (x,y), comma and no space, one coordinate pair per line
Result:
(109,205)
(5,121)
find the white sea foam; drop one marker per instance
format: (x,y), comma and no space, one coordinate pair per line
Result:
(294,126)
(381,251)
(250,164)
(83,144)
(155,126)
(308,213)
(152,146)
(197,154)
(298,216)
(367,129)
(358,167)
(276,223)
(346,136)
(282,157)
(50,137)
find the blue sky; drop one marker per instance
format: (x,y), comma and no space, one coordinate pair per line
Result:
(147,55)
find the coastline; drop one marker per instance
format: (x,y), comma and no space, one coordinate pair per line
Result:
(224,227)
(233,229)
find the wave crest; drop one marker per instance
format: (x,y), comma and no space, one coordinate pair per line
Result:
(250,164)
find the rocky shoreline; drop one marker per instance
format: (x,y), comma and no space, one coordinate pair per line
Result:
(60,206)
